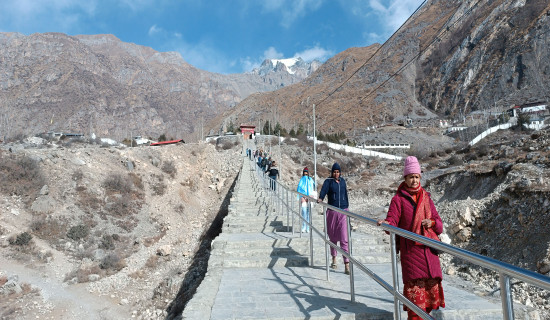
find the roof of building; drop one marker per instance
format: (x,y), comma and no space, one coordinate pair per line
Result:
(167,142)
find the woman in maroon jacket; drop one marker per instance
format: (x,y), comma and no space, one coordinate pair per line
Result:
(412,209)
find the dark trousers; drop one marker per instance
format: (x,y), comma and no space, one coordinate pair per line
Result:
(272,183)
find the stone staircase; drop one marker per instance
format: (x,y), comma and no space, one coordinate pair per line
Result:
(260,269)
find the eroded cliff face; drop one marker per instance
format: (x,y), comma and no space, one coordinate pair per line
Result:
(495,55)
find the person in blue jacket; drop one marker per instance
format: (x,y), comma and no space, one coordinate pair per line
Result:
(336,191)
(306,186)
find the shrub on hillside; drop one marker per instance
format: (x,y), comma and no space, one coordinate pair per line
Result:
(87,201)
(107,242)
(78,232)
(116,183)
(225,145)
(136,180)
(420,154)
(322,148)
(48,228)
(119,206)
(20,175)
(22,239)
(454,160)
(168,167)
(158,186)
(113,262)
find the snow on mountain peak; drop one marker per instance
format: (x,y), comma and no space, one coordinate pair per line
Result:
(289,63)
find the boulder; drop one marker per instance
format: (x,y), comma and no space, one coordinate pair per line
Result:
(78,161)
(464,234)
(11,287)
(164,250)
(45,190)
(93,277)
(43,204)
(155,161)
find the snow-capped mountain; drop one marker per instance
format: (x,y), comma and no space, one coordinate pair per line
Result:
(296,67)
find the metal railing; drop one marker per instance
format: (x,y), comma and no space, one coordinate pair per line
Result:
(506,271)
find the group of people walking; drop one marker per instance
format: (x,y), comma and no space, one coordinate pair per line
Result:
(266,165)
(411,208)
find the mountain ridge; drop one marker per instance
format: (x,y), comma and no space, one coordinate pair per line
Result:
(431,69)
(97,83)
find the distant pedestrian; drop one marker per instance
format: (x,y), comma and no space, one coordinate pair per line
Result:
(336,190)
(273,173)
(306,186)
(412,209)
(260,160)
(263,163)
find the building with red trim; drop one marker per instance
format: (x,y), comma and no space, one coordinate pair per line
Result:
(247,131)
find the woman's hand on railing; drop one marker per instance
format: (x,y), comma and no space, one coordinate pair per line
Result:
(383,221)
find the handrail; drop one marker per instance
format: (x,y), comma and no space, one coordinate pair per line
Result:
(506,270)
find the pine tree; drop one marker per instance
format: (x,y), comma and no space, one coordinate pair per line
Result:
(300,129)
(292,133)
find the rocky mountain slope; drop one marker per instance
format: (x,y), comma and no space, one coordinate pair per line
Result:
(115,227)
(97,83)
(451,58)
(496,56)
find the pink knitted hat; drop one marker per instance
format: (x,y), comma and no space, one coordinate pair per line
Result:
(411,166)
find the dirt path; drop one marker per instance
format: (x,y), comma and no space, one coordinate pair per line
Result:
(59,300)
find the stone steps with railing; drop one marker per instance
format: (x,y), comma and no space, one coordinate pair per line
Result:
(260,269)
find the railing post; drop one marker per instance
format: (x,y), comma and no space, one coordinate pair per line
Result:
(395,276)
(350,252)
(310,227)
(293,215)
(506,297)
(327,251)
(277,193)
(288,207)
(299,215)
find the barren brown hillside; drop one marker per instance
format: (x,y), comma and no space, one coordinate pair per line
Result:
(451,58)
(355,88)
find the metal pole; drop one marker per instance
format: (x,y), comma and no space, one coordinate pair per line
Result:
(351,279)
(395,276)
(292,214)
(327,251)
(506,296)
(287,211)
(314,149)
(310,227)
(300,217)
(279,200)
(280,157)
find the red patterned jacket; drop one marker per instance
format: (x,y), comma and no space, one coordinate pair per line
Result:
(417,261)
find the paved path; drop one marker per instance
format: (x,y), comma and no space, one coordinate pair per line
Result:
(259,269)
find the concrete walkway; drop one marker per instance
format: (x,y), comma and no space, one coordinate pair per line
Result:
(259,269)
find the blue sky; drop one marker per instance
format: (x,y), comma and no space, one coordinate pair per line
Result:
(224,36)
